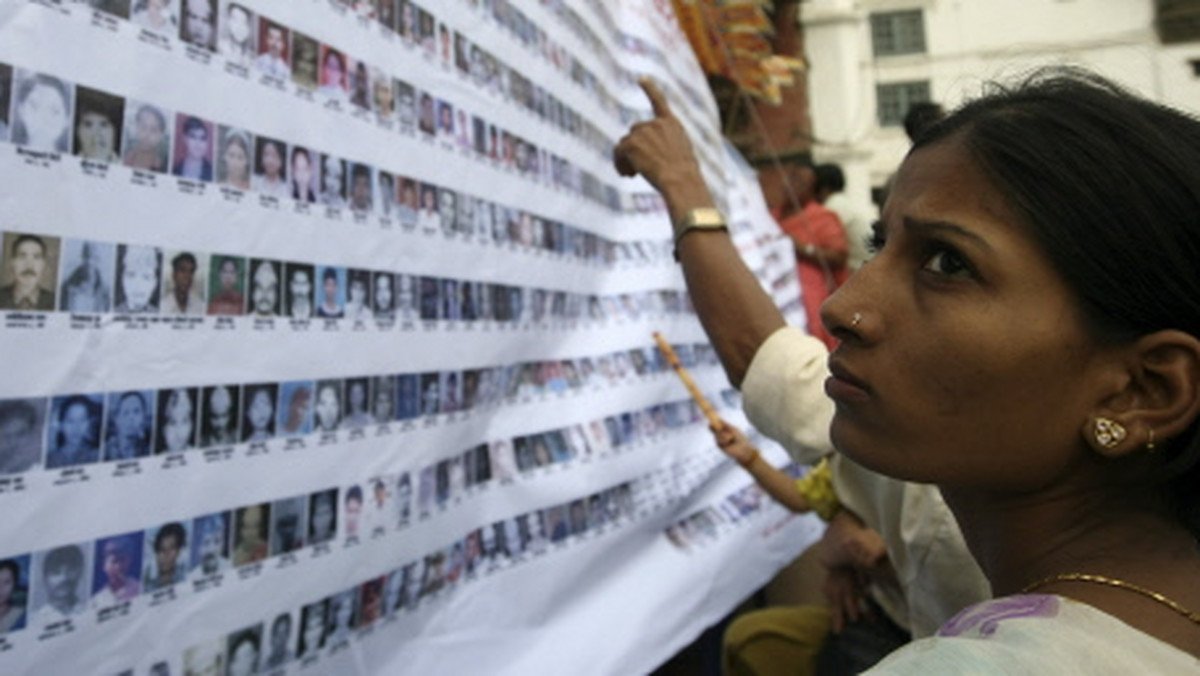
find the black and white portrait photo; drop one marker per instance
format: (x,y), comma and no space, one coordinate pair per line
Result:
(29,272)
(21,425)
(138,277)
(41,111)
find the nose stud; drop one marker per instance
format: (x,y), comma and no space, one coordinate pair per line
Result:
(855,320)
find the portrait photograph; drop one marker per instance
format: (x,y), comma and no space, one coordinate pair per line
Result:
(383,296)
(219,415)
(408,202)
(328,411)
(406,105)
(239,33)
(383,95)
(406,20)
(165,556)
(322,516)
(99,125)
(313,622)
(194,143)
(289,524)
(295,408)
(385,184)
(274,54)
(14,593)
(234,153)
(138,279)
(303,175)
(360,83)
(244,651)
(333,181)
(342,617)
(28,271)
(210,545)
(334,76)
(427,120)
(431,393)
(6,78)
(146,142)
(160,16)
(406,297)
(205,659)
(358,295)
(278,651)
(306,53)
(42,108)
(117,570)
(356,403)
(73,432)
(226,285)
(383,399)
(176,424)
(198,24)
(362,197)
(22,422)
(371,602)
(185,283)
(258,412)
(299,291)
(264,287)
(61,581)
(251,531)
(431,288)
(408,396)
(129,430)
(331,298)
(385,13)
(270,167)
(352,511)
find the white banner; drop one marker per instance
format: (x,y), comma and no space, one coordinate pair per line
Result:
(327,343)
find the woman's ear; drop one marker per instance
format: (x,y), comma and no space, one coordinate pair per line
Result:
(1159,399)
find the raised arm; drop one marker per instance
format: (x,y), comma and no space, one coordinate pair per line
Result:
(734,310)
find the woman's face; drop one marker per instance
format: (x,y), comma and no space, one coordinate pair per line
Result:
(331,286)
(301,170)
(252,519)
(358,293)
(272,160)
(314,628)
(139,276)
(179,424)
(239,24)
(261,410)
(383,404)
(228,275)
(333,72)
(322,518)
(97,136)
(131,417)
(955,372)
(244,660)
(328,408)
(358,397)
(43,112)
(76,423)
(237,164)
(148,130)
(383,293)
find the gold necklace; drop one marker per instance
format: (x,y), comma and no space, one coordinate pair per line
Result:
(1119,584)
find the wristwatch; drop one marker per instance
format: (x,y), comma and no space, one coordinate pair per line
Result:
(701,218)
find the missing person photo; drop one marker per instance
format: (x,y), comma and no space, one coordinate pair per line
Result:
(14,593)
(358,295)
(146,143)
(313,623)
(176,424)
(264,287)
(185,284)
(406,105)
(299,290)
(29,272)
(194,140)
(408,396)
(360,84)
(138,279)
(129,431)
(199,24)
(238,35)
(289,524)
(335,76)
(234,153)
(383,399)
(306,53)
(117,570)
(295,408)
(227,285)
(328,409)
(361,190)
(383,95)
(99,125)
(41,112)
(73,433)
(244,651)
(273,58)
(383,295)
(303,179)
(331,299)
(251,530)
(210,545)
(355,413)
(219,415)
(322,516)
(61,581)
(333,181)
(270,167)
(159,16)
(21,425)
(165,556)
(258,412)
(430,298)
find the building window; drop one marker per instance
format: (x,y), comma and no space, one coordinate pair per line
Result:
(895,33)
(894,100)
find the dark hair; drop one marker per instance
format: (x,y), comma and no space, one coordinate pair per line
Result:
(18,409)
(329,273)
(261,144)
(173,529)
(19,134)
(191,124)
(1108,185)
(829,177)
(12,566)
(182,258)
(242,637)
(21,239)
(920,117)
(353,493)
(67,556)
(93,410)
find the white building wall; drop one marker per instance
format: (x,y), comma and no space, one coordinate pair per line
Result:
(971,42)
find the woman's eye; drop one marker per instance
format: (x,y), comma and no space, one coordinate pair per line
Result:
(946,261)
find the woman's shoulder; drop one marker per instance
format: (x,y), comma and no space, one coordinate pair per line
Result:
(1037,633)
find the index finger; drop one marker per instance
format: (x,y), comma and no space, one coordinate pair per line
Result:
(657,100)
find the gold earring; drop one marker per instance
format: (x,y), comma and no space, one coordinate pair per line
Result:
(1109,433)
(1150,443)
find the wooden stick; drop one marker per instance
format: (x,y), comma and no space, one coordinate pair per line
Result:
(714,420)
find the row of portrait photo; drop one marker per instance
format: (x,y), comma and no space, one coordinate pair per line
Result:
(81,429)
(46,113)
(129,279)
(59,579)
(140,134)
(698,528)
